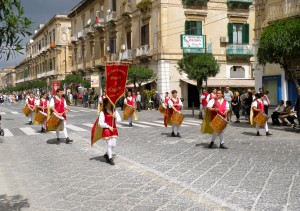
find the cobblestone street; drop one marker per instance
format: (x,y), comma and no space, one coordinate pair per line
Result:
(153,171)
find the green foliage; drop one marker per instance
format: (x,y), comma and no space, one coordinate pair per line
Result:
(12,26)
(28,86)
(144,6)
(198,67)
(73,79)
(280,44)
(148,95)
(138,74)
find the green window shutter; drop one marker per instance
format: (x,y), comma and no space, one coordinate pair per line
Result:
(199,27)
(245,34)
(230,32)
(187,27)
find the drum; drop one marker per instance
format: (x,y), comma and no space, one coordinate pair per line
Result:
(26,110)
(177,118)
(161,109)
(261,119)
(55,121)
(40,117)
(218,123)
(128,111)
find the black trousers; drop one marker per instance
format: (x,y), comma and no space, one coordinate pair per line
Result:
(275,118)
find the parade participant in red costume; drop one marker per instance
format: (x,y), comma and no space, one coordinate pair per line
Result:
(257,107)
(100,102)
(59,106)
(43,106)
(107,120)
(217,106)
(204,102)
(30,102)
(175,105)
(129,101)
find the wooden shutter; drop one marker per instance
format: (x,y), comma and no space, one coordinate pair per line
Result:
(230,32)
(187,27)
(199,27)
(245,34)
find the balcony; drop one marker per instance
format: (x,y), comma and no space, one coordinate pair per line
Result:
(239,51)
(112,17)
(52,44)
(126,55)
(195,2)
(46,74)
(198,50)
(99,25)
(126,9)
(82,34)
(143,52)
(283,10)
(239,4)
(28,78)
(74,39)
(44,49)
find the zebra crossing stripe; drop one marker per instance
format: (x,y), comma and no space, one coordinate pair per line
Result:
(193,121)
(88,124)
(153,124)
(28,131)
(15,112)
(134,124)
(3,113)
(74,111)
(190,123)
(85,110)
(78,129)
(161,123)
(7,133)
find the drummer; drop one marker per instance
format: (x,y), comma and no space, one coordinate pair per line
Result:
(107,120)
(30,102)
(43,106)
(257,107)
(129,101)
(175,105)
(59,106)
(218,106)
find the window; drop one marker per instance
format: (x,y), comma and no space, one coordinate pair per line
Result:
(145,35)
(54,68)
(50,64)
(238,33)
(114,5)
(112,45)
(75,28)
(82,22)
(237,72)
(53,35)
(92,15)
(128,40)
(193,27)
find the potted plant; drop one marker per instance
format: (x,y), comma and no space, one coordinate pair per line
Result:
(144,6)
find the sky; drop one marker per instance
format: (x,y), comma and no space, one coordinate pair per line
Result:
(40,11)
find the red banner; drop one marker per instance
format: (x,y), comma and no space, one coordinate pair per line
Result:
(116,77)
(55,86)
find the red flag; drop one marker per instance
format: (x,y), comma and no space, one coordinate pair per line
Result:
(116,77)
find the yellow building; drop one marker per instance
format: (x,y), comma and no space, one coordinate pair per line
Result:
(271,77)
(119,31)
(7,77)
(47,53)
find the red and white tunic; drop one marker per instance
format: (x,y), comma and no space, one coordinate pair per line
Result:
(106,120)
(31,102)
(222,107)
(178,105)
(259,105)
(129,101)
(59,105)
(44,104)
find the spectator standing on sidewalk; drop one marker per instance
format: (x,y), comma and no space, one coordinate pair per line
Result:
(236,105)
(75,99)
(96,100)
(228,97)
(138,101)
(204,102)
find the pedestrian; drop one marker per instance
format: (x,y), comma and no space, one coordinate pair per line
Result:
(96,100)
(138,101)
(129,101)
(242,98)
(297,107)
(266,101)
(248,102)
(215,106)
(256,108)
(174,106)
(107,120)
(236,105)
(43,107)
(59,106)
(30,102)
(212,95)
(71,98)
(203,101)
(75,99)
(228,97)
(278,110)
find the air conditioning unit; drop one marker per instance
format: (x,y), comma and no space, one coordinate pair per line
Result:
(224,39)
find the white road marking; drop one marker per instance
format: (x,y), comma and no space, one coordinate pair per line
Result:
(134,124)
(15,112)
(153,124)
(28,131)
(2,113)
(7,133)
(88,124)
(182,125)
(75,128)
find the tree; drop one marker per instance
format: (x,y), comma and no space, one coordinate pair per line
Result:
(198,67)
(138,74)
(280,44)
(12,26)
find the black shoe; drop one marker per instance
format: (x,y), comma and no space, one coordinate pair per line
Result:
(57,140)
(30,122)
(178,135)
(211,145)
(130,124)
(68,140)
(257,134)
(111,162)
(173,134)
(106,158)
(222,146)
(268,133)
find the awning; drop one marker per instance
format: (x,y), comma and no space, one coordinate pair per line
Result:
(144,83)
(214,82)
